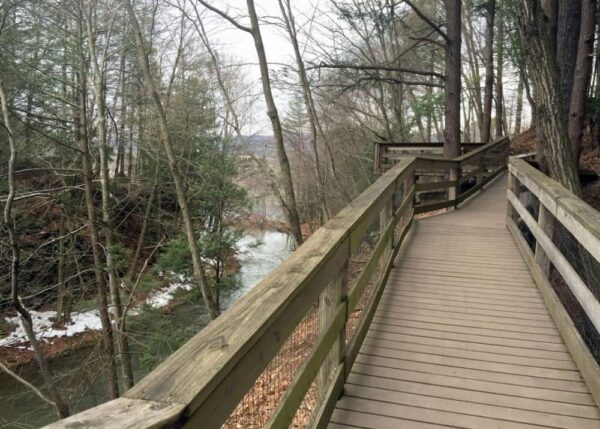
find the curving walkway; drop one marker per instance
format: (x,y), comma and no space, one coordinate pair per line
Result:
(462,337)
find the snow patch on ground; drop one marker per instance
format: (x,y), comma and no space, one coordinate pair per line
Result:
(87,320)
(42,326)
(164,296)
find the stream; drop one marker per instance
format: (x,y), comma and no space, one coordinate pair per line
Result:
(79,371)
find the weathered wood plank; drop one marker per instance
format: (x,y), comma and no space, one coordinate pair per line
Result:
(470,406)
(547,395)
(581,355)
(584,296)
(127,413)
(455,342)
(578,217)
(481,396)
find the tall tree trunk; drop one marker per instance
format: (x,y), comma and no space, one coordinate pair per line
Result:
(567,41)
(61,290)
(583,73)
(142,235)
(519,110)
(82,137)
(199,273)
(550,12)
(290,25)
(115,309)
(120,163)
(486,123)
(551,124)
(500,114)
(290,209)
(61,407)
(81,132)
(453,79)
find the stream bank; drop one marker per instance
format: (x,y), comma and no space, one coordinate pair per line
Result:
(155,335)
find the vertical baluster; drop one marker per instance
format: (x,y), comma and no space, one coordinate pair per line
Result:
(546,223)
(513,185)
(409,181)
(385,217)
(454,190)
(331,298)
(481,168)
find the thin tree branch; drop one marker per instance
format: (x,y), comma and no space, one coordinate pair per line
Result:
(379,68)
(224,15)
(429,22)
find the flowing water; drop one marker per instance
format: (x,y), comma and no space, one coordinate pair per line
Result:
(80,371)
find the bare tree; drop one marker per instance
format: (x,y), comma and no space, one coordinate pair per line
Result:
(61,407)
(314,123)
(290,209)
(199,273)
(486,123)
(99,64)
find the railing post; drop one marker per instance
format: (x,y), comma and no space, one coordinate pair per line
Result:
(334,294)
(385,217)
(513,185)
(481,168)
(409,181)
(546,223)
(377,158)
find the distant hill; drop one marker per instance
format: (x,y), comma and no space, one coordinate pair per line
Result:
(260,145)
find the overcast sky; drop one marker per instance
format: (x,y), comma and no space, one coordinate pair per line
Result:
(240,46)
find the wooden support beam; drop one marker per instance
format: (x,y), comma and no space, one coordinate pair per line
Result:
(546,223)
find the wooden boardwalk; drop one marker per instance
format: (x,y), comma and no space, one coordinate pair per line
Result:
(462,338)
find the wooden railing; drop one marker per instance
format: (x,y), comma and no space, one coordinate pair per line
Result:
(442,183)
(322,298)
(387,154)
(556,209)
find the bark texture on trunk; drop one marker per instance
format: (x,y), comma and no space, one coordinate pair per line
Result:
(453,79)
(583,73)
(550,13)
(567,40)
(551,123)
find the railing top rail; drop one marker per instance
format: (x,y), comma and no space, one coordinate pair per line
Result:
(480,150)
(580,219)
(413,143)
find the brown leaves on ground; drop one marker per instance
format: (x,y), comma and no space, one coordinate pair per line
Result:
(523,143)
(259,404)
(20,354)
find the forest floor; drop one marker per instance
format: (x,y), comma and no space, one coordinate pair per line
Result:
(590,161)
(83,329)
